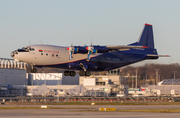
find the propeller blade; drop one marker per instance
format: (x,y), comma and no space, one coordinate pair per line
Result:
(76,49)
(88,57)
(90,50)
(71,51)
(70,55)
(94,51)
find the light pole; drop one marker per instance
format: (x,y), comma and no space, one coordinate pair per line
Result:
(157,76)
(174,74)
(132,81)
(174,78)
(136,78)
(145,80)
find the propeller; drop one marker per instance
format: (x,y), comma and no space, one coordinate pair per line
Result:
(90,50)
(71,49)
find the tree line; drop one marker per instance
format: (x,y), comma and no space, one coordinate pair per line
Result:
(149,73)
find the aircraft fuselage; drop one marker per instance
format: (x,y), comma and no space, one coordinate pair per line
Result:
(58,57)
(86,58)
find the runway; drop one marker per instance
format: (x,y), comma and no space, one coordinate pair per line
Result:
(96,107)
(68,113)
(73,113)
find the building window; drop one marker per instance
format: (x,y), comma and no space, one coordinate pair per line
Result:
(46,54)
(57,55)
(52,55)
(41,53)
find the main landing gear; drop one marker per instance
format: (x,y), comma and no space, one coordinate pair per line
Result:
(84,73)
(73,73)
(70,73)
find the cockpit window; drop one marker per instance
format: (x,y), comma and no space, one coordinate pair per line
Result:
(32,49)
(26,49)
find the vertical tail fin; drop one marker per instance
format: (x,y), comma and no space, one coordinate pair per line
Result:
(146,38)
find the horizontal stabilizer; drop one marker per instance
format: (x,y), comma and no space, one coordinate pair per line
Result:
(149,55)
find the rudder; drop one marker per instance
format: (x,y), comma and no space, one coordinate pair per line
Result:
(147,38)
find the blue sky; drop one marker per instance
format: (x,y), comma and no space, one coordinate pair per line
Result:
(103,22)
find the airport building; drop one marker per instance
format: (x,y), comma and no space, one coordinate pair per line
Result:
(87,86)
(14,78)
(167,87)
(51,79)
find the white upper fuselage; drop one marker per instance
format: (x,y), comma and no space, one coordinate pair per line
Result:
(47,55)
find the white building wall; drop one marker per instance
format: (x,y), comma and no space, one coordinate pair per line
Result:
(67,80)
(13,76)
(52,79)
(89,82)
(44,78)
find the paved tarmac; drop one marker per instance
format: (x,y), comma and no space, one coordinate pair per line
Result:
(72,113)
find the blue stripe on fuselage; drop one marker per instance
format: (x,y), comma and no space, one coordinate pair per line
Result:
(108,61)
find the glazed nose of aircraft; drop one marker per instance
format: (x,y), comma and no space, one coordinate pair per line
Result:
(13,53)
(24,49)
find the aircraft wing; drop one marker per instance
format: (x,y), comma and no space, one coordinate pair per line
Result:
(124,47)
(101,49)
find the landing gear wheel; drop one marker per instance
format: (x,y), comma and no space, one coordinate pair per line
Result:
(66,73)
(33,70)
(88,73)
(72,73)
(82,73)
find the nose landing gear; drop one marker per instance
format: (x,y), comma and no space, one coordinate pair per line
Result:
(33,70)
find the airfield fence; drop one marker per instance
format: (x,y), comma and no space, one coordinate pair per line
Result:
(86,99)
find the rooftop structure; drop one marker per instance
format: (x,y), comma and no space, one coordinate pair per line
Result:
(11,63)
(171,82)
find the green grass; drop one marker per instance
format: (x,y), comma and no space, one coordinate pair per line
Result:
(132,110)
(96,103)
(19,107)
(153,110)
(136,110)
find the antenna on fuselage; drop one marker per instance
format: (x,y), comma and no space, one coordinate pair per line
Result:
(71,41)
(41,41)
(92,41)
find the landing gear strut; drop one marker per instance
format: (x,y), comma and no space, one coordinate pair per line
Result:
(69,73)
(85,72)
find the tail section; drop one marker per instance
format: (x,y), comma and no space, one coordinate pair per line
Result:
(146,38)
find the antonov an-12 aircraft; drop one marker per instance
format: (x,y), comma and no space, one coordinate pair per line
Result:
(89,58)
